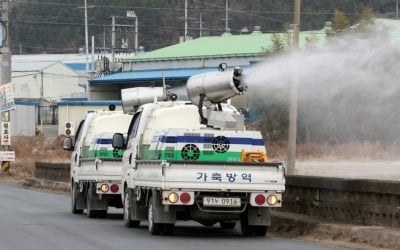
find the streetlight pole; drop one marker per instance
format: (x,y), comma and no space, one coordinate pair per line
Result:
(293,95)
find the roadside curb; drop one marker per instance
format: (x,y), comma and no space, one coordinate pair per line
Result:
(301,226)
(40,183)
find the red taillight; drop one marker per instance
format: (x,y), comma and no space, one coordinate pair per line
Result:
(185,198)
(260,199)
(114,188)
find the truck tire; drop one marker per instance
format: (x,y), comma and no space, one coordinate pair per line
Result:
(128,222)
(168,228)
(227,225)
(74,195)
(154,228)
(260,230)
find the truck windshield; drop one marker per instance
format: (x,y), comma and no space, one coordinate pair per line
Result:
(134,125)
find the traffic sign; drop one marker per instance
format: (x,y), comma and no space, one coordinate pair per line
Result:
(5,165)
(6,97)
(7,155)
(5,134)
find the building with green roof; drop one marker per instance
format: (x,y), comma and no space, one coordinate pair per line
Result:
(176,63)
(235,50)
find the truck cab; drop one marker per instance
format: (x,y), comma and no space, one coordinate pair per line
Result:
(95,165)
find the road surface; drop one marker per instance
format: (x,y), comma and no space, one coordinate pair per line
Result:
(37,220)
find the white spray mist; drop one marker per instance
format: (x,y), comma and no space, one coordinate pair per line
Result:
(349,89)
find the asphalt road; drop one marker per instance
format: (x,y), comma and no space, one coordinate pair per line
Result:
(37,220)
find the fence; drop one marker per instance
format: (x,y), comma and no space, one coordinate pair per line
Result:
(365,202)
(52,171)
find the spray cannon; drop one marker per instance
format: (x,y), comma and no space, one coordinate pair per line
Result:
(132,98)
(215,87)
(206,91)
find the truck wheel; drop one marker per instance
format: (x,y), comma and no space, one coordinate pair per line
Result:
(74,194)
(128,222)
(168,228)
(154,228)
(227,225)
(101,214)
(259,230)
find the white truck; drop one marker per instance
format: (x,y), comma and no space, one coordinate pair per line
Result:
(95,165)
(195,160)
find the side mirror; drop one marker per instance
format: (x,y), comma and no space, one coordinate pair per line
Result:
(118,141)
(67,144)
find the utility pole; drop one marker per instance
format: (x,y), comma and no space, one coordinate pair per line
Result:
(113,40)
(132,14)
(5,78)
(5,50)
(201,25)
(226,15)
(397,9)
(293,95)
(186,21)
(92,60)
(41,101)
(104,39)
(86,49)
(136,34)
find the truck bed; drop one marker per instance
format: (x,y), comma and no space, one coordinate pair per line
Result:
(97,169)
(210,176)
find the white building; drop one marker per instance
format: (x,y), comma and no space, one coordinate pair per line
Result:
(37,77)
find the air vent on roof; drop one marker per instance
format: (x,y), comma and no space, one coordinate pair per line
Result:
(257,30)
(227,32)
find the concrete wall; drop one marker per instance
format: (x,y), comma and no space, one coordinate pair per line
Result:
(52,171)
(364,202)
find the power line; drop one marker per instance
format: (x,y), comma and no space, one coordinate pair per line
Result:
(30,22)
(97,6)
(221,8)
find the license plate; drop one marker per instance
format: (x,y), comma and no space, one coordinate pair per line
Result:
(221,202)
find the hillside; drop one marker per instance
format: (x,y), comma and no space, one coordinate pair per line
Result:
(55,26)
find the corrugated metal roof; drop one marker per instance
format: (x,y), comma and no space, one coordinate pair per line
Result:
(226,45)
(27,103)
(150,75)
(89,103)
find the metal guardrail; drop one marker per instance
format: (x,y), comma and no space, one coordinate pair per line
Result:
(52,171)
(364,202)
